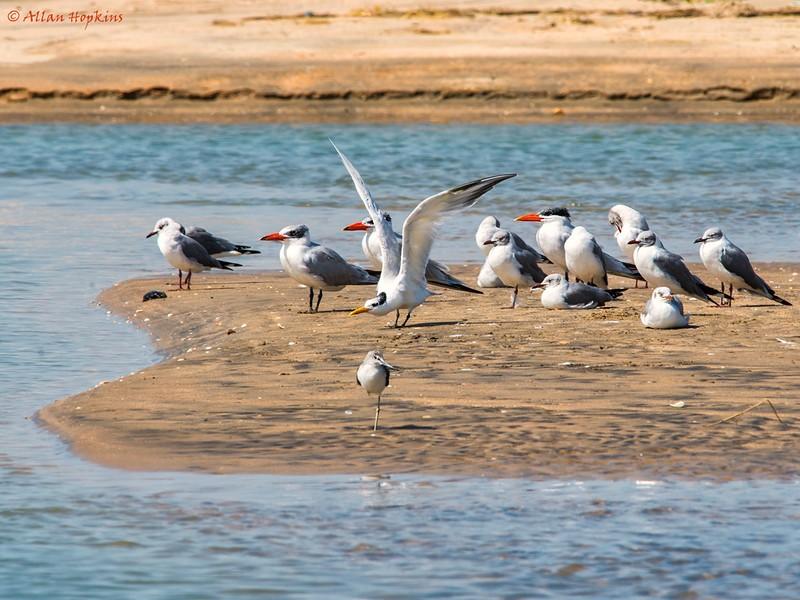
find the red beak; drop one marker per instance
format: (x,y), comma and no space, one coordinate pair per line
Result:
(530,217)
(273,237)
(357,226)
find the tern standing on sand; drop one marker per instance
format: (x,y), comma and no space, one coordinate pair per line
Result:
(664,311)
(556,229)
(373,376)
(514,265)
(727,261)
(435,272)
(184,253)
(561,294)
(315,266)
(660,267)
(402,282)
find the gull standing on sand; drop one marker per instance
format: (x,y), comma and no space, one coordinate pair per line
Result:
(373,376)
(556,229)
(435,272)
(184,253)
(402,282)
(487,278)
(315,266)
(727,261)
(660,267)
(561,294)
(515,266)
(584,258)
(664,311)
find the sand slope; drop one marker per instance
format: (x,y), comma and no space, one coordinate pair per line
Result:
(250,384)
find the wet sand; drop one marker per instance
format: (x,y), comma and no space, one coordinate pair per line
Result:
(431,61)
(250,383)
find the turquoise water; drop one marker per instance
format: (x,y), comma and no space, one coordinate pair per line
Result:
(75,203)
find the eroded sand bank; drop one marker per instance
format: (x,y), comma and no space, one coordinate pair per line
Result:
(251,384)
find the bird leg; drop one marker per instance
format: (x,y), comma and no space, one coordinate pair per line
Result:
(377,414)
(319,299)
(408,316)
(514,296)
(188,281)
(180,279)
(396,317)
(730,300)
(310,299)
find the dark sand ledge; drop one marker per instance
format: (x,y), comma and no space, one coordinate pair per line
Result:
(251,385)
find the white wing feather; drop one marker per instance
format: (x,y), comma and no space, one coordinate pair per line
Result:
(419,228)
(390,245)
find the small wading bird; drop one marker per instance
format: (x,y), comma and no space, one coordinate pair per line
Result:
(435,273)
(402,282)
(664,311)
(315,266)
(373,376)
(514,266)
(184,253)
(559,293)
(556,229)
(487,278)
(727,261)
(660,267)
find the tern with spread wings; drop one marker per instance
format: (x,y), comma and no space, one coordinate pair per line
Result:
(402,283)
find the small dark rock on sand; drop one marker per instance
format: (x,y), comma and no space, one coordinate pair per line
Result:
(154,295)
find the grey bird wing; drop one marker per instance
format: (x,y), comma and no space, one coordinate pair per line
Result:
(195,251)
(438,274)
(212,243)
(528,264)
(678,304)
(420,226)
(390,243)
(735,260)
(578,294)
(334,270)
(597,251)
(523,244)
(673,265)
(616,267)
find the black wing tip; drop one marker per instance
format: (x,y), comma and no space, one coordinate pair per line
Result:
(616,292)
(227,265)
(460,287)
(780,300)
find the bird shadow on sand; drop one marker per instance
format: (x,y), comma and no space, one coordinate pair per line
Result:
(408,427)
(426,324)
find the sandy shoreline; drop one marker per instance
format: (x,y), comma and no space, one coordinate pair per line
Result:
(437,61)
(261,388)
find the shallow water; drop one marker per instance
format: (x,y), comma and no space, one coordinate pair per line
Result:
(75,203)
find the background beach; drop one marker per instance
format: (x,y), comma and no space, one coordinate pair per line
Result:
(77,199)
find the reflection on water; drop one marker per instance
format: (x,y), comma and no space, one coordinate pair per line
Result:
(75,204)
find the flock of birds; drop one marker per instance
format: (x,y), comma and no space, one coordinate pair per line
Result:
(401,268)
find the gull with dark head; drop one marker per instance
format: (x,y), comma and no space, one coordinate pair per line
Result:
(435,273)
(514,265)
(184,253)
(559,293)
(727,261)
(373,376)
(402,284)
(315,266)
(664,311)
(660,267)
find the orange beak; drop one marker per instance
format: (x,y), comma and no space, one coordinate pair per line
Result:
(273,237)
(357,226)
(529,217)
